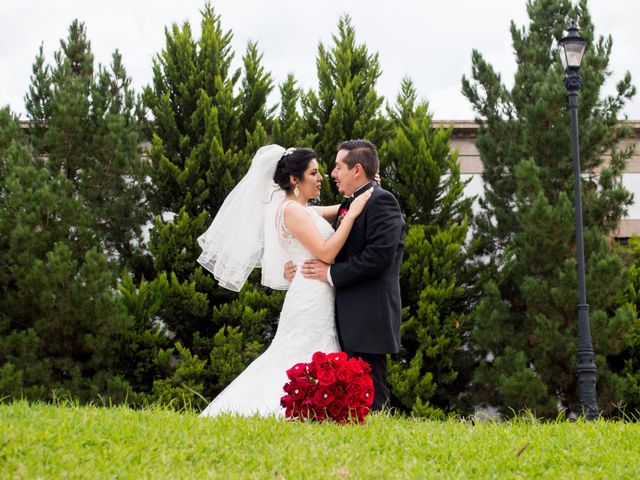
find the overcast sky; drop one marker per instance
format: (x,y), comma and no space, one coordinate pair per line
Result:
(427,40)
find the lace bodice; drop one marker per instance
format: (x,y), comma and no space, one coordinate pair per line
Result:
(298,252)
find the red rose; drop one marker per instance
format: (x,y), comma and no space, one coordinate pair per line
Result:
(364,387)
(356,367)
(305,411)
(342,416)
(356,391)
(366,368)
(352,397)
(289,412)
(295,391)
(312,370)
(341,213)
(326,375)
(297,370)
(319,358)
(335,408)
(337,357)
(361,413)
(286,401)
(344,372)
(305,381)
(319,414)
(322,398)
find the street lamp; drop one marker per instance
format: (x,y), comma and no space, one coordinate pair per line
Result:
(571,52)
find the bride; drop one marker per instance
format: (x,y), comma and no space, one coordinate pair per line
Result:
(264,222)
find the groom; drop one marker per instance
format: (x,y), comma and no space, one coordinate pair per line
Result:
(366,272)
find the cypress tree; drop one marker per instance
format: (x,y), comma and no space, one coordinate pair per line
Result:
(420,169)
(346,104)
(256,87)
(628,362)
(204,135)
(288,126)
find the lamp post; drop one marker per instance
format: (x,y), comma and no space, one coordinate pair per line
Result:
(571,52)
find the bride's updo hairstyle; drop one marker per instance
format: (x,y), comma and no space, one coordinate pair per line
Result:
(293,162)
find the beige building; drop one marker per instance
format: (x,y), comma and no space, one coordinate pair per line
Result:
(464,137)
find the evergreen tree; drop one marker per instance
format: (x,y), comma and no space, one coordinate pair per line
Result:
(525,328)
(61,324)
(195,129)
(86,124)
(628,362)
(346,104)
(288,127)
(419,168)
(256,87)
(37,102)
(71,213)
(146,350)
(203,138)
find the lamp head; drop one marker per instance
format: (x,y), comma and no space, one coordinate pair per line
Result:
(572,48)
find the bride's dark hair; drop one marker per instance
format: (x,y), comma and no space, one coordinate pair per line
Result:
(293,162)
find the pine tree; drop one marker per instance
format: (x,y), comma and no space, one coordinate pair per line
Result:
(420,169)
(525,328)
(346,104)
(86,124)
(61,323)
(72,214)
(37,102)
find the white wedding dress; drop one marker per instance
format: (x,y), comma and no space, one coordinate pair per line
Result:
(306,325)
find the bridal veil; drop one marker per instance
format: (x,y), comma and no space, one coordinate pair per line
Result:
(243,233)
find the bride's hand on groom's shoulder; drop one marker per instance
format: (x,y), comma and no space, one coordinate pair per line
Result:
(290,270)
(357,206)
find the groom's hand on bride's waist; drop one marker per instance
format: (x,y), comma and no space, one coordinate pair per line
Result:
(315,269)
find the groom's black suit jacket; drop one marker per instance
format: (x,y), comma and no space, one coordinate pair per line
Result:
(366,277)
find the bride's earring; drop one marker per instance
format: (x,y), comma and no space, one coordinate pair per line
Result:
(296,191)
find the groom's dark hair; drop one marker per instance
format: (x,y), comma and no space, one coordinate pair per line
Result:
(363,152)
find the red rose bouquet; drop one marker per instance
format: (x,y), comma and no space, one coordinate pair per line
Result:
(331,386)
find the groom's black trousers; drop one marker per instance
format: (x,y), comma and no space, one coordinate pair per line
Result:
(378,362)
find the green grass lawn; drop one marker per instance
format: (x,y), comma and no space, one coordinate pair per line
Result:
(43,441)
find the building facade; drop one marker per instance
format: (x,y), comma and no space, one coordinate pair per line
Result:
(464,137)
